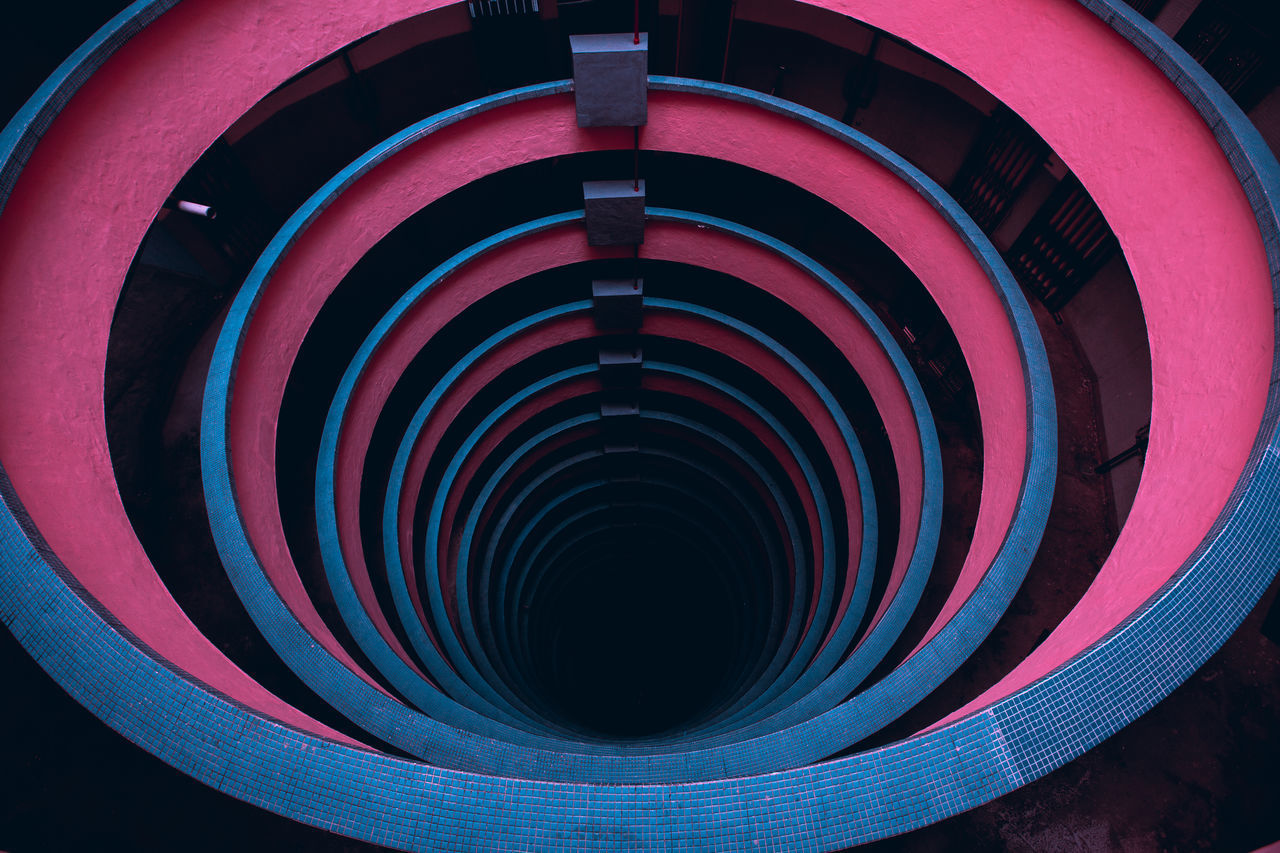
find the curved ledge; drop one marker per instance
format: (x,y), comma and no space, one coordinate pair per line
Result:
(963,753)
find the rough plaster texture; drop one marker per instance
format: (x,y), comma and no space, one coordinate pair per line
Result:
(1242,347)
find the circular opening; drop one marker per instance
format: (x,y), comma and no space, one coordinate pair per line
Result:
(640,636)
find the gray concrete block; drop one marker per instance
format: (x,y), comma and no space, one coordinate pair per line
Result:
(614,212)
(611,79)
(619,421)
(620,367)
(617,304)
(619,411)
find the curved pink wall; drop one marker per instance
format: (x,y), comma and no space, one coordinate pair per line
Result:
(665,240)
(128,136)
(658,322)
(1193,248)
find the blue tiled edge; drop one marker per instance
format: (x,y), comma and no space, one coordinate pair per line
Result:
(838,803)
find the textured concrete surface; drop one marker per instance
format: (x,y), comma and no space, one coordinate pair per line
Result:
(1070,810)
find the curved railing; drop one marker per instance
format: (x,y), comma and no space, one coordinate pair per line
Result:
(497,503)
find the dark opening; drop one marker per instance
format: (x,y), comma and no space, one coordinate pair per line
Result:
(642,635)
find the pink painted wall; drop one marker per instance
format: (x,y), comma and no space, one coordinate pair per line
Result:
(128,136)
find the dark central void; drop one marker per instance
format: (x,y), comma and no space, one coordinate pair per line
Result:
(637,634)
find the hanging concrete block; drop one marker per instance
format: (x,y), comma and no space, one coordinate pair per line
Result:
(619,423)
(611,79)
(622,464)
(617,304)
(618,411)
(621,448)
(614,212)
(620,367)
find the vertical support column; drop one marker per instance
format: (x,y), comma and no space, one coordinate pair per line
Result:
(611,88)
(620,439)
(617,306)
(620,369)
